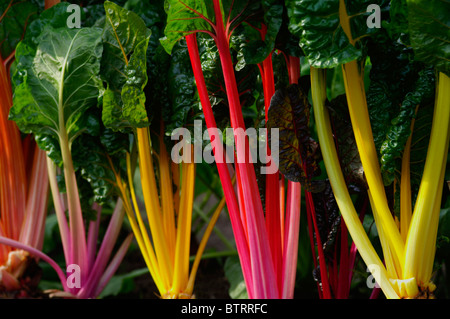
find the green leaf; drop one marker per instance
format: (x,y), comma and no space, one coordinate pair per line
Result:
(184,17)
(124,68)
(392,148)
(233,272)
(182,91)
(397,85)
(60,81)
(258,33)
(322,35)
(429,29)
(299,153)
(15,16)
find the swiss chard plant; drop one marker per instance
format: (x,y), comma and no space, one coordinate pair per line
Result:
(336,35)
(23,171)
(129,63)
(266,234)
(57,90)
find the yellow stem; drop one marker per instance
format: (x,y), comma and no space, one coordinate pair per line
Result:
(339,186)
(141,232)
(182,253)
(421,240)
(405,187)
(357,105)
(152,205)
(393,263)
(167,202)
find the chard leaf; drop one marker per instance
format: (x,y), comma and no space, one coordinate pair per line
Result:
(429,29)
(345,143)
(392,148)
(184,17)
(299,153)
(246,77)
(323,37)
(328,219)
(181,89)
(125,39)
(189,16)
(397,85)
(259,31)
(15,16)
(60,81)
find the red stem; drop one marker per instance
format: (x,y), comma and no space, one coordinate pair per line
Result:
(322,262)
(263,271)
(230,195)
(273,220)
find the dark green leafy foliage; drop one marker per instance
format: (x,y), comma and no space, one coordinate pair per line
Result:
(16,16)
(125,40)
(429,30)
(398,85)
(322,37)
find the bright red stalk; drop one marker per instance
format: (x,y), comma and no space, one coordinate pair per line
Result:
(230,195)
(273,218)
(263,271)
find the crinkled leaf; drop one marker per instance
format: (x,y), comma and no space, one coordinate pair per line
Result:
(60,81)
(392,148)
(299,153)
(181,89)
(397,85)
(429,29)
(246,78)
(321,33)
(259,31)
(397,27)
(124,68)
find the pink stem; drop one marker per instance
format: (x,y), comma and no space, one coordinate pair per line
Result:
(230,195)
(38,254)
(264,278)
(290,251)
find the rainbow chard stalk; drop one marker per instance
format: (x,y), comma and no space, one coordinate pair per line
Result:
(57,87)
(265,264)
(409,246)
(24,182)
(165,243)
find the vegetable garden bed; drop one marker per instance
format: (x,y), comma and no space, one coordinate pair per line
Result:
(224,149)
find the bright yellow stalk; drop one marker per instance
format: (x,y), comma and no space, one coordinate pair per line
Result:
(339,186)
(420,243)
(167,200)
(140,231)
(182,252)
(357,105)
(392,262)
(405,187)
(151,201)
